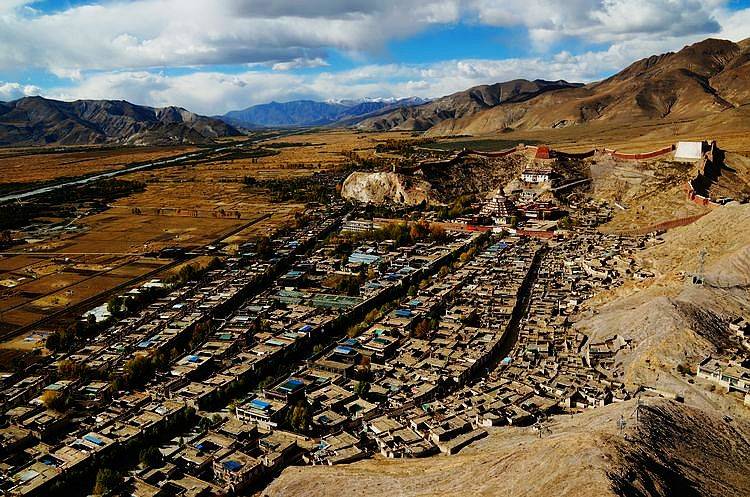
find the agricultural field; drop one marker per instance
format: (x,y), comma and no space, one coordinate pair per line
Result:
(69,265)
(20,169)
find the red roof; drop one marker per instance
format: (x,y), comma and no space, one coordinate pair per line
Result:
(543,152)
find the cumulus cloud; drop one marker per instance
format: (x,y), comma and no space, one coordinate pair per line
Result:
(155,33)
(13,91)
(299,63)
(115,49)
(601,21)
(210,92)
(141,34)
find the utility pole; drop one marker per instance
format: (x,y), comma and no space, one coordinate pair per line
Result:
(637,411)
(699,276)
(621,423)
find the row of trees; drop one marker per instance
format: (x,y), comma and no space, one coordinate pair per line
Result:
(345,283)
(460,206)
(402,146)
(401,233)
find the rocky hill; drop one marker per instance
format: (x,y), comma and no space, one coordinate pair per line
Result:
(703,79)
(461,104)
(435,183)
(672,450)
(34,121)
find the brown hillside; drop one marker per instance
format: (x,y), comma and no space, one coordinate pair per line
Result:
(460,104)
(674,450)
(704,79)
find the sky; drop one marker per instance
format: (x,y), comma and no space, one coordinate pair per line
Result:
(212,56)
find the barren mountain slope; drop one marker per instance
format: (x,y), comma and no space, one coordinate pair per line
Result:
(702,79)
(35,121)
(460,104)
(670,320)
(674,450)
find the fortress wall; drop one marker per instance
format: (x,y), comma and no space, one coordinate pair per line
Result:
(640,156)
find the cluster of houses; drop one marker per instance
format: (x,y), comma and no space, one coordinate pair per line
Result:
(43,447)
(322,357)
(732,374)
(547,370)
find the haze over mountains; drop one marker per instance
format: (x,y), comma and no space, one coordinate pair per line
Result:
(312,113)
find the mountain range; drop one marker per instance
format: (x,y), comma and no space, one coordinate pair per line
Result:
(311,113)
(34,121)
(462,104)
(705,79)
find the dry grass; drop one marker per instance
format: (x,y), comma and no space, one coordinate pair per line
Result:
(27,166)
(729,129)
(188,206)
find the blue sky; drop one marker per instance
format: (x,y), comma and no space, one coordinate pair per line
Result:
(214,56)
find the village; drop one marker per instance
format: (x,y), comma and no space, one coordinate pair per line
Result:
(347,337)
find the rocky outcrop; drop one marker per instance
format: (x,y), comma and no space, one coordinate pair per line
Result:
(386,188)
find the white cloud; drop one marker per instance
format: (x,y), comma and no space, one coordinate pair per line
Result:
(215,93)
(141,34)
(13,91)
(601,21)
(115,49)
(166,33)
(299,63)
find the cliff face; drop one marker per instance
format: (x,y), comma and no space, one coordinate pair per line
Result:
(385,188)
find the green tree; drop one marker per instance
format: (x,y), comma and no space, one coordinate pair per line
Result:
(54,400)
(264,247)
(107,481)
(299,417)
(150,457)
(362,389)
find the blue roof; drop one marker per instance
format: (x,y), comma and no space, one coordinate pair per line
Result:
(93,440)
(232,465)
(403,313)
(363,258)
(260,404)
(48,460)
(306,328)
(193,358)
(342,349)
(291,385)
